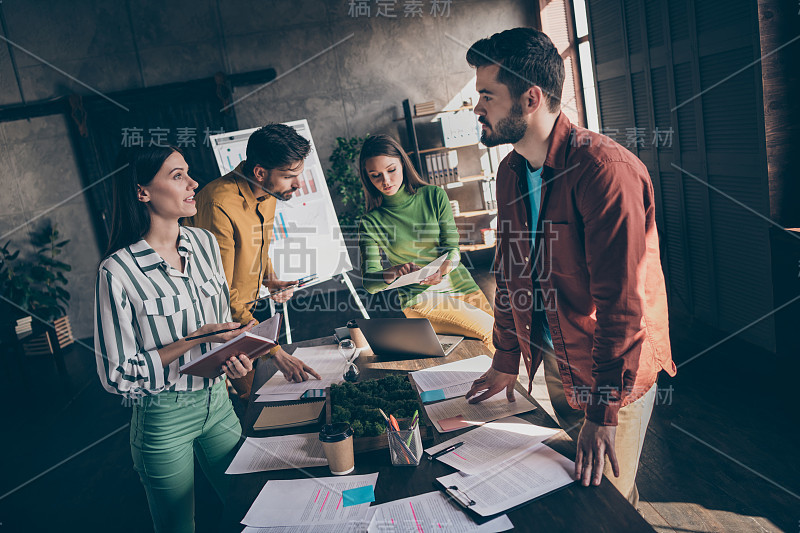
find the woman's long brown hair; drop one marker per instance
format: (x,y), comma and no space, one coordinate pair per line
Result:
(130,219)
(378,145)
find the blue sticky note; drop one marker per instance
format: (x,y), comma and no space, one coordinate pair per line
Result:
(432,395)
(358,496)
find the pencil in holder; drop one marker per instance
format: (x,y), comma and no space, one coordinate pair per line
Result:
(405,447)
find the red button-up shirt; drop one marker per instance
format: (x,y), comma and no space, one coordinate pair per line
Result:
(597,266)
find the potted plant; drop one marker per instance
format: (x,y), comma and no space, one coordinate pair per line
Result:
(38,287)
(343,177)
(13,288)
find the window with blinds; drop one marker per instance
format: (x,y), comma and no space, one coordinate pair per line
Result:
(678,84)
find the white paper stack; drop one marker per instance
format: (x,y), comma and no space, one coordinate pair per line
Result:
(326,360)
(451,379)
(432,511)
(487,446)
(541,471)
(310,503)
(278,453)
(458,413)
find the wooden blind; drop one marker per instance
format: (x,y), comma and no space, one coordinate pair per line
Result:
(651,61)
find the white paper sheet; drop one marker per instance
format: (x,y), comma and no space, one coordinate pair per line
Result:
(419,275)
(278,453)
(497,406)
(493,443)
(430,512)
(350,527)
(326,360)
(456,390)
(450,374)
(512,483)
(309,501)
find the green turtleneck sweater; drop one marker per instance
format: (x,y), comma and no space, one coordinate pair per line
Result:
(415,228)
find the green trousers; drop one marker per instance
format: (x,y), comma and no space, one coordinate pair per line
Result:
(167,431)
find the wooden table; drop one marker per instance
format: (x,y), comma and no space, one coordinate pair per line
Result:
(573,508)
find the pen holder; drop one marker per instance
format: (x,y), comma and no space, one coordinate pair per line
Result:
(405,447)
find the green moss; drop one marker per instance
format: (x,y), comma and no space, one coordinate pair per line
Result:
(358,403)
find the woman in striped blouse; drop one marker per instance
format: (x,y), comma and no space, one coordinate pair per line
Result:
(159,283)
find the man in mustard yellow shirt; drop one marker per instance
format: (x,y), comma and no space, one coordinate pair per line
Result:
(239,209)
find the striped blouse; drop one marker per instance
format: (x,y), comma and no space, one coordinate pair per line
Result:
(142,304)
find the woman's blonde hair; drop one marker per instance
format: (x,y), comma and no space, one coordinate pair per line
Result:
(378,145)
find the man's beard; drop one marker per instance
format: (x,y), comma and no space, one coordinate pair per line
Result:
(508,130)
(285,197)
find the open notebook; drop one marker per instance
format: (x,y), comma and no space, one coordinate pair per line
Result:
(253,343)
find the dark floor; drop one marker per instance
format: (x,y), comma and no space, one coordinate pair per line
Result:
(67,466)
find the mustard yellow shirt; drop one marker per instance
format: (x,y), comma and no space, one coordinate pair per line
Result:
(242,225)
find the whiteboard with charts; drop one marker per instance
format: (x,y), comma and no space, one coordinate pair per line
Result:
(306,235)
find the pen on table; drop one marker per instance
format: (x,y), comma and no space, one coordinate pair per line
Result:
(195,337)
(445,451)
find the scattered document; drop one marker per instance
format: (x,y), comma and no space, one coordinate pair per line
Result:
(326,360)
(278,453)
(308,502)
(513,483)
(450,374)
(430,512)
(350,527)
(457,413)
(454,391)
(419,275)
(491,444)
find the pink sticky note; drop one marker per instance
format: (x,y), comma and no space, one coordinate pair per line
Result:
(453,423)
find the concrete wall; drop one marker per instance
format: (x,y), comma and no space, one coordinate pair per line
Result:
(39,178)
(354,88)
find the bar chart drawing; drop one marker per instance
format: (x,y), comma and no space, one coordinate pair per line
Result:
(308,183)
(307,221)
(279,229)
(233,158)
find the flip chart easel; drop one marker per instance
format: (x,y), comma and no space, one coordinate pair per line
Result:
(306,237)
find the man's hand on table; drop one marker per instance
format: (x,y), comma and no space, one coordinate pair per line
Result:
(594,443)
(491,383)
(293,368)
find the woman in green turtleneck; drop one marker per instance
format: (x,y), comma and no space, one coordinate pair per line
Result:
(412,223)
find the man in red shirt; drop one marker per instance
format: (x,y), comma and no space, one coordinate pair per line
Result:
(579,279)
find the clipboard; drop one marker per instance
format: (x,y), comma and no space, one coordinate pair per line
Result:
(463,500)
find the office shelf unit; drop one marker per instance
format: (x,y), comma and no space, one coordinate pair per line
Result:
(470,181)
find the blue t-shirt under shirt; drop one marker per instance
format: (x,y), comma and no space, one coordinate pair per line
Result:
(534,198)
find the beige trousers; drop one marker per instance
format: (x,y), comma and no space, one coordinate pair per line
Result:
(631,428)
(468,315)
